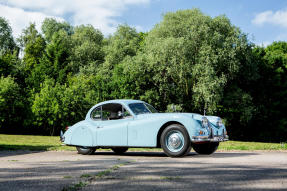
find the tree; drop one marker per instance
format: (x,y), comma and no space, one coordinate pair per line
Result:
(34,45)
(11,104)
(55,59)
(51,26)
(87,48)
(47,106)
(270,92)
(125,42)
(8,49)
(192,59)
(7,43)
(57,106)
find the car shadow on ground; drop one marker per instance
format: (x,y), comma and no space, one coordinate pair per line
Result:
(7,153)
(162,154)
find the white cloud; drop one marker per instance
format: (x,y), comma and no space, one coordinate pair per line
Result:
(19,19)
(100,13)
(270,17)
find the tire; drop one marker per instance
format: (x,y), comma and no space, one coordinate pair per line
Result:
(120,150)
(187,150)
(205,148)
(175,141)
(85,150)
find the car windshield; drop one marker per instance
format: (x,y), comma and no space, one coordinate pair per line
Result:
(141,108)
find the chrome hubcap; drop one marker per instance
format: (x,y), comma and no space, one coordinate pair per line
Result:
(174,141)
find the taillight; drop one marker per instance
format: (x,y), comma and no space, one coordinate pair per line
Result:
(67,128)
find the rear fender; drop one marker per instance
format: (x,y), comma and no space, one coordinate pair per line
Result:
(79,134)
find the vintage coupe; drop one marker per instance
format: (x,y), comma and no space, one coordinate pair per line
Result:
(120,124)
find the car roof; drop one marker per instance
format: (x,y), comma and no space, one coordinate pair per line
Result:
(121,101)
(124,102)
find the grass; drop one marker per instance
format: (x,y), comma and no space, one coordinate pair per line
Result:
(32,143)
(52,143)
(67,177)
(88,178)
(169,177)
(103,173)
(75,187)
(85,176)
(238,145)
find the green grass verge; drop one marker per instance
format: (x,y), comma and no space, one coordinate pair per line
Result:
(32,143)
(52,143)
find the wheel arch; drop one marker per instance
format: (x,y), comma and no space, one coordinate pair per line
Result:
(161,130)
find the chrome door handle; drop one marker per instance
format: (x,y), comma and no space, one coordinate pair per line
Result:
(99,127)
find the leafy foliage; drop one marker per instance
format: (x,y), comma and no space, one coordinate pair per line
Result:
(189,62)
(7,43)
(11,104)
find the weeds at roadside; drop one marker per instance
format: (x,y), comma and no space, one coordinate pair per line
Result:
(67,177)
(75,187)
(90,178)
(103,173)
(85,176)
(169,177)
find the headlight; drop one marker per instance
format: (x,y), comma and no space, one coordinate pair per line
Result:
(219,122)
(204,122)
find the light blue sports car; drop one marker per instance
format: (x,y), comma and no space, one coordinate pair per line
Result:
(121,124)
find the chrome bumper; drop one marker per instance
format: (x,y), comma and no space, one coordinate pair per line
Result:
(209,139)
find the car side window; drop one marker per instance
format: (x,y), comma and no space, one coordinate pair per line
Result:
(114,111)
(96,113)
(126,114)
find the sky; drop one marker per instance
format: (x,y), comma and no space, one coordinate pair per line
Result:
(264,21)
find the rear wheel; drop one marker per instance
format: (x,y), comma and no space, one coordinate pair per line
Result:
(205,148)
(85,150)
(120,150)
(175,141)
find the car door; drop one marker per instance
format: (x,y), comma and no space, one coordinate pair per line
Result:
(113,132)
(95,120)
(142,132)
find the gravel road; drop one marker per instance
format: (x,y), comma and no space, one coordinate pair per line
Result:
(26,170)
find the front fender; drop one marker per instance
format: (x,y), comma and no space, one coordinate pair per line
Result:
(191,125)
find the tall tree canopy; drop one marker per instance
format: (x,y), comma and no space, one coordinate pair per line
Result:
(7,43)
(189,61)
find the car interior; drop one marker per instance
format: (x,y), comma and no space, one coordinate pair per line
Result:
(110,111)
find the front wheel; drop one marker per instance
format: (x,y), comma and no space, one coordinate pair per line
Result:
(205,148)
(85,150)
(175,141)
(120,150)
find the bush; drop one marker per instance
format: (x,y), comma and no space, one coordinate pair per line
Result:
(11,104)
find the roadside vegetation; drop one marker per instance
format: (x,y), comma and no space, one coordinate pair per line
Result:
(88,178)
(52,143)
(189,61)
